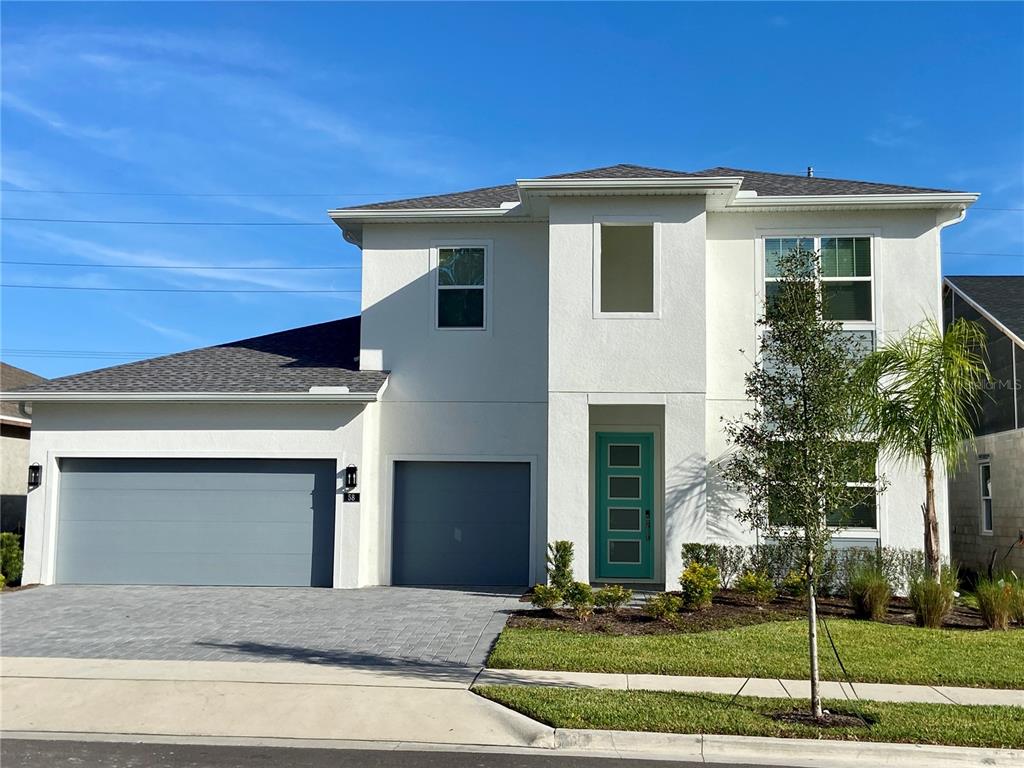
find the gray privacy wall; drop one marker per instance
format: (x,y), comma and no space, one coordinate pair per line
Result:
(461,523)
(196,521)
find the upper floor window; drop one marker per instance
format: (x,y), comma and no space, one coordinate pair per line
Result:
(985,471)
(461,287)
(626,269)
(846,281)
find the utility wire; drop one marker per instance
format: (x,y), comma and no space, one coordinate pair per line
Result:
(163,266)
(171,290)
(176,223)
(214,194)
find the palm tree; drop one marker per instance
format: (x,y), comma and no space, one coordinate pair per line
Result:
(919,394)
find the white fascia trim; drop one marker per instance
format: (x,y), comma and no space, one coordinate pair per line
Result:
(983,312)
(369,214)
(190,397)
(16,421)
(922,200)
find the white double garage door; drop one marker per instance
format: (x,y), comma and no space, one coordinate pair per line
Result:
(271,522)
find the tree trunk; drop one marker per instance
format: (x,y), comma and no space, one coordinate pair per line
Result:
(812,637)
(932,556)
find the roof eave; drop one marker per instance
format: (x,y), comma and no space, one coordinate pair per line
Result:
(905,201)
(193,397)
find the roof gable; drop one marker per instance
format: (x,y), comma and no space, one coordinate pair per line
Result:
(1001,296)
(292,361)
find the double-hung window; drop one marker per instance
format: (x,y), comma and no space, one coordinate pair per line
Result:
(846,281)
(985,473)
(461,287)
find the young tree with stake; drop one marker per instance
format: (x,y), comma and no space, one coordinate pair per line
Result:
(793,453)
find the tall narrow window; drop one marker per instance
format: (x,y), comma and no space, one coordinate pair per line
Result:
(985,471)
(627,268)
(461,285)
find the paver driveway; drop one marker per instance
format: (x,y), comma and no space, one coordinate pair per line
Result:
(359,627)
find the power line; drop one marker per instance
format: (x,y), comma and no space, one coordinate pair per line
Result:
(212,194)
(171,290)
(176,223)
(164,266)
(980,253)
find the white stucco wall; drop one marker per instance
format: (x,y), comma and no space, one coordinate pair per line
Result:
(460,395)
(656,361)
(192,430)
(907,290)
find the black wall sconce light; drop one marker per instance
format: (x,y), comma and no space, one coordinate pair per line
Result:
(351,476)
(35,476)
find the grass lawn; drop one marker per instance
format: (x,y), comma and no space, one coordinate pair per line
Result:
(872,652)
(667,712)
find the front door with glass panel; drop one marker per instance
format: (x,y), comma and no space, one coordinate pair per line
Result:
(625,505)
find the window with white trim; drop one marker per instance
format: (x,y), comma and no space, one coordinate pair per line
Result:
(985,476)
(461,287)
(846,281)
(627,268)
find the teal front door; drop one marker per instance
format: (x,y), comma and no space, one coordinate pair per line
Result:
(625,505)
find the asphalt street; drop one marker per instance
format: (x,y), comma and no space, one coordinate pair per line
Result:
(23,753)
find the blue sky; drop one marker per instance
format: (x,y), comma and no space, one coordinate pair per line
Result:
(277,112)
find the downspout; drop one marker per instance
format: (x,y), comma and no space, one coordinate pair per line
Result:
(25,408)
(938,254)
(945,540)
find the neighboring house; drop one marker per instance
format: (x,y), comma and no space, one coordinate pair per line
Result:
(986,492)
(549,359)
(15,431)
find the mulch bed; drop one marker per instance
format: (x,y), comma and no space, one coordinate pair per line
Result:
(19,587)
(729,609)
(827,720)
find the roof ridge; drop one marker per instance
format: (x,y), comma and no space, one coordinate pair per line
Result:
(747,171)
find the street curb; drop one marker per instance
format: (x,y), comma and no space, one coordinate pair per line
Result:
(752,750)
(746,750)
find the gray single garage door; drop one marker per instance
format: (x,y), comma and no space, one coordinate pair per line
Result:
(196,521)
(461,523)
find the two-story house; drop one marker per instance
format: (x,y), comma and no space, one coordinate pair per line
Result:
(549,359)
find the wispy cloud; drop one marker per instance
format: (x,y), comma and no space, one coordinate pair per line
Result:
(173,271)
(57,122)
(895,131)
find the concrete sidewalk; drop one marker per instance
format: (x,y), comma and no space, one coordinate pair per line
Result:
(796,689)
(425,707)
(254,700)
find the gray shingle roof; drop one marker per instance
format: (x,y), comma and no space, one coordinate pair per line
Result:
(321,355)
(1002,296)
(15,378)
(766,184)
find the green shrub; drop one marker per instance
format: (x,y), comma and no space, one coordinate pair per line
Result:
(662,606)
(697,585)
(560,557)
(3,581)
(579,597)
(545,596)
(995,601)
(932,600)
(1017,600)
(613,597)
(11,558)
(758,586)
(795,583)
(869,591)
(729,559)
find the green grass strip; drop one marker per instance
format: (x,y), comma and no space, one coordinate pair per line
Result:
(670,712)
(872,652)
